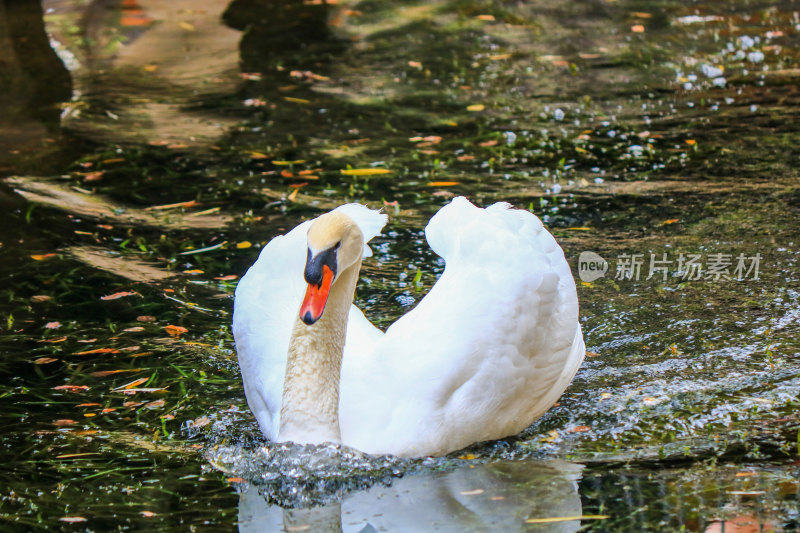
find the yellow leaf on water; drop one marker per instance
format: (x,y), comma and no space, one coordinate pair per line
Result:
(552,436)
(670,221)
(186,26)
(293,196)
(364,171)
(296,100)
(581,228)
(468,456)
(566,518)
(244,244)
(287,163)
(42,257)
(476,107)
(442,183)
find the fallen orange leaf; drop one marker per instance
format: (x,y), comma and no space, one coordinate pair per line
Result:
(54,340)
(118,295)
(578,429)
(235,480)
(42,257)
(226,278)
(93,176)
(104,373)
(132,384)
(442,183)
(98,350)
(71,388)
(45,360)
(190,203)
(175,331)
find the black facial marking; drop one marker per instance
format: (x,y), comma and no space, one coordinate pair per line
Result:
(314,264)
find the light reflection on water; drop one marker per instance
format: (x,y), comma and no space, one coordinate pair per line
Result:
(499,496)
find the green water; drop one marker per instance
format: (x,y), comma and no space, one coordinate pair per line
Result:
(148,151)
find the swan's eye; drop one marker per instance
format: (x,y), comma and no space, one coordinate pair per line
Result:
(338,244)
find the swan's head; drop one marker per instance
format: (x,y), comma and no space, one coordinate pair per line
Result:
(335,243)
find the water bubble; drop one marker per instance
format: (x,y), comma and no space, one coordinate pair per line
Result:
(511,137)
(746,42)
(755,57)
(711,72)
(558,114)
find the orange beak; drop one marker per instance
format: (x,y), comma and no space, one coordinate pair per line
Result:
(316,297)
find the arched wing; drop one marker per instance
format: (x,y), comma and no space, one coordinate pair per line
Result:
(483,354)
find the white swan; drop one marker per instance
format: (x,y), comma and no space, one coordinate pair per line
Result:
(483,355)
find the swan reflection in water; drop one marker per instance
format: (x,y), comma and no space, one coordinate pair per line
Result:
(498,496)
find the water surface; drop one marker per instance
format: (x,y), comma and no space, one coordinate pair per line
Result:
(150,150)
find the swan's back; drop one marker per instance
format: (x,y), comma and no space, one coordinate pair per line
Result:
(485,353)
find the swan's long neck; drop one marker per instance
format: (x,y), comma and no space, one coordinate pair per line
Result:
(310,408)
